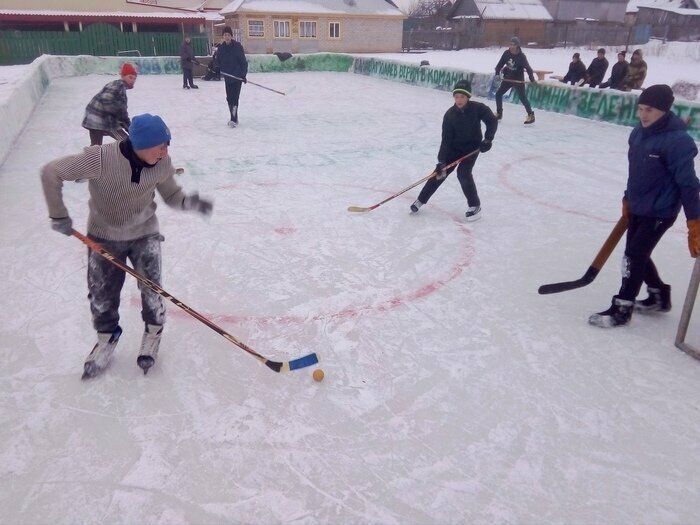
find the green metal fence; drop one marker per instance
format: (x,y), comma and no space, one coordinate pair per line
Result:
(22,47)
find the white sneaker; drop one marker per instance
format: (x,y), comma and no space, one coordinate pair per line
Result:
(473,213)
(150,342)
(232,124)
(101,353)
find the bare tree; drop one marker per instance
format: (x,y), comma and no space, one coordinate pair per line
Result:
(426,8)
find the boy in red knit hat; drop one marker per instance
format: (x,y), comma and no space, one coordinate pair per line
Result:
(106,114)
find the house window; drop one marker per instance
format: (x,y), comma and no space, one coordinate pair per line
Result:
(281,28)
(256,28)
(307,29)
(334,30)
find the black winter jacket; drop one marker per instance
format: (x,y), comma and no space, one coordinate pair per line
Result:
(231,59)
(513,66)
(596,71)
(576,72)
(461,130)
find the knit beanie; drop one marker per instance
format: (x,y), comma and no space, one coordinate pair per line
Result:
(127,69)
(515,41)
(147,131)
(228,30)
(464,87)
(601,50)
(659,96)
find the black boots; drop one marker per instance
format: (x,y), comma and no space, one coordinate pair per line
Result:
(659,300)
(619,314)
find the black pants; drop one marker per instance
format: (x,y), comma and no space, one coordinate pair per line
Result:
(466,180)
(643,234)
(105,281)
(233,92)
(519,88)
(187,77)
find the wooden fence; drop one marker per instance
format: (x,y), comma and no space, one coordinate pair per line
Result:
(22,47)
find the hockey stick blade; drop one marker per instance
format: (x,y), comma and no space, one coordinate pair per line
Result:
(608,246)
(359,209)
(587,279)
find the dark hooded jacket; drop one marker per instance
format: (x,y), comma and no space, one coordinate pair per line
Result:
(186,55)
(461,130)
(513,66)
(576,72)
(662,170)
(596,71)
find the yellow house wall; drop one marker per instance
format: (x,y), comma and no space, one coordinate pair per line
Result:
(357,34)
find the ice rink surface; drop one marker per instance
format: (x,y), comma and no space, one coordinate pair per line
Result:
(454,393)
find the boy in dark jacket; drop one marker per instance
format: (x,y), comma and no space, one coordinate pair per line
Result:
(186,56)
(461,134)
(577,71)
(618,74)
(512,65)
(106,114)
(232,63)
(661,179)
(596,71)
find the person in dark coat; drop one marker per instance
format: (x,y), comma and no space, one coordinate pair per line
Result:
(596,71)
(577,71)
(186,57)
(234,68)
(461,134)
(512,66)
(213,70)
(661,179)
(618,73)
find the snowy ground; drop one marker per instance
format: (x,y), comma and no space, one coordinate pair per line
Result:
(454,393)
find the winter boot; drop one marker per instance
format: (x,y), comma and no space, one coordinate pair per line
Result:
(499,114)
(101,353)
(659,300)
(149,347)
(619,314)
(530,118)
(416,206)
(193,86)
(473,213)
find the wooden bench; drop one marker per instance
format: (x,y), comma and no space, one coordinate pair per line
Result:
(541,73)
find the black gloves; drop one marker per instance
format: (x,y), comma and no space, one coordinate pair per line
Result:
(485,146)
(64,225)
(440,169)
(194,203)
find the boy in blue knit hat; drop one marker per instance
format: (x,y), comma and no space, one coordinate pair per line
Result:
(461,134)
(123,178)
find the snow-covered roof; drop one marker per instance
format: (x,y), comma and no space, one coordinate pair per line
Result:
(337,7)
(680,6)
(513,9)
(501,9)
(46,13)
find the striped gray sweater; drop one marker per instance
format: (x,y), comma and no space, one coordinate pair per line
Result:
(120,210)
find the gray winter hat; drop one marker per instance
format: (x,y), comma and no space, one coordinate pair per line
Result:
(515,41)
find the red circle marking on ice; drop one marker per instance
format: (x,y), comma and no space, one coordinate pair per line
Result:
(424,290)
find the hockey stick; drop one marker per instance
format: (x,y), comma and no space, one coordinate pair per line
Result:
(433,174)
(277,366)
(608,246)
(251,82)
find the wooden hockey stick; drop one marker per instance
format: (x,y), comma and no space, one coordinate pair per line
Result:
(433,174)
(608,246)
(277,366)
